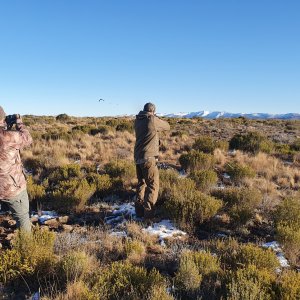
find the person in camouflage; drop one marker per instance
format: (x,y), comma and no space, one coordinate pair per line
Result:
(146,151)
(13,188)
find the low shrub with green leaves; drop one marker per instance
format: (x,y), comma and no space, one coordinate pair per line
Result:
(239,172)
(122,280)
(287,221)
(35,191)
(205,180)
(288,287)
(250,283)
(185,204)
(207,144)
(240,203)
(252,142)
(296,145)
(250,254)
(194,267)
(196,160)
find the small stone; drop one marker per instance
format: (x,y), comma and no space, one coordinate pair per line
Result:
(52,223)
(63,220)
(67,228)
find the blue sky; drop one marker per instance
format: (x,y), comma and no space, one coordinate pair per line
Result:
(62,56)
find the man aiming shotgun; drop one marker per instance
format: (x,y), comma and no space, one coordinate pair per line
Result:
(13,188)
(146,151)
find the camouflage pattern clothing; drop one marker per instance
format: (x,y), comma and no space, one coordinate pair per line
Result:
(146,151)
(12,179)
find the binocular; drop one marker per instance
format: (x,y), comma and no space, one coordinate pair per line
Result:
(11,120)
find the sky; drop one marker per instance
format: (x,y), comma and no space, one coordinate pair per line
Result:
(184,56)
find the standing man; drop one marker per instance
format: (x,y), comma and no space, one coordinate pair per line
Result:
(13,189)
(147,126)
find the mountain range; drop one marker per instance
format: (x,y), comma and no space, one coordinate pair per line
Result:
(223,114)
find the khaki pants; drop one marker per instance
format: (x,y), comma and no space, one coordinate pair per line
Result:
(19,207)
(148,187)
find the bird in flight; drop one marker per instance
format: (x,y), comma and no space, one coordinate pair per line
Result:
(101,100)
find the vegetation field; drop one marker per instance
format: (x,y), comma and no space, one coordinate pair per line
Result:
(232,185)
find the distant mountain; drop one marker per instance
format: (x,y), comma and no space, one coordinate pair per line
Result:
(223,114)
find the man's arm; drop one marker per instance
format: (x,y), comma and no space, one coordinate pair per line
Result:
(161,125)
(21,138)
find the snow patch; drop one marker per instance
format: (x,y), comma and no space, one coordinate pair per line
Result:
(45,216)
(279,253)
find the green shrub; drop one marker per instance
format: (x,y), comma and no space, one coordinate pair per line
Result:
(252,142)
(250,283)
(35,191)
(239,172)
(120,168)
(125,126)
(185,204)
(250,254)
(102,182)
(72,194)
(63,117)
(122,280)
(240,202)
(194,266)
(287,222)
(289,286)
(205,179)
(196,160)
(208,145)
(101,129)
(83,128)
(296,145)
(64,173)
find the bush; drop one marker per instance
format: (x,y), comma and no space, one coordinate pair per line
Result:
(250,283)
(208,145)
(194,266)
(289,285)
(101,129)
(252,142)
(260,258)
(239,172)
(240,202)
(122,280)
(135,251)
(62,117)
(205,180)
(296,145)
(125,126)
(287,221)
(103,183)
(35,191)
(196,160)
(185,204)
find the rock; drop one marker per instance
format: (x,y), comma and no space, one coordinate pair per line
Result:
(11,223)
(63,220)
(52,223)
(67,228)
(34,220)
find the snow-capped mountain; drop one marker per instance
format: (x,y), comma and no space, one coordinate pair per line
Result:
(223,114)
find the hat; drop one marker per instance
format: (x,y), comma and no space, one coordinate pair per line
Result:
(2,113)
(149,107)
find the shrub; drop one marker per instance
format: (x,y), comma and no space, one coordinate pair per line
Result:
(296,145)
(208,145)
(239,172)
(35,191)
(125,126)
(250,254)
(194,266)
(196,160)
(62,117)
(289,285)
(251,142)
(187,205)
(103,183)
(250,283)
(135,251)
(64,173)
(205,179)
(159,293)
(83,128)
(287,221)
(120,168)
(240,202)
(101,129)
(122,280)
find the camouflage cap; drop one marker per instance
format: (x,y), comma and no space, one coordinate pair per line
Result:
(2,113)
(149,107)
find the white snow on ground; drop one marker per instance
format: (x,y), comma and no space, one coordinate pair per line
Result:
(163,229)
(279,253)
(226,176)
(44,216)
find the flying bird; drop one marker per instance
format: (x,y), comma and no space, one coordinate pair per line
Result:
(101,100)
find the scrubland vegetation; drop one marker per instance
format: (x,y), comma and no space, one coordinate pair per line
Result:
(238,187)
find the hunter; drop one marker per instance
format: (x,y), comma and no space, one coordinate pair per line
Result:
(146,151)
(13,188)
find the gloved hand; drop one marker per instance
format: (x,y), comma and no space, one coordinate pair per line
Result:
(19,121)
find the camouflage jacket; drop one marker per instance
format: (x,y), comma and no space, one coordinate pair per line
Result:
(12,179)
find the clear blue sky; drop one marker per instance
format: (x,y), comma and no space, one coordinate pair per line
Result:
(62,56)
